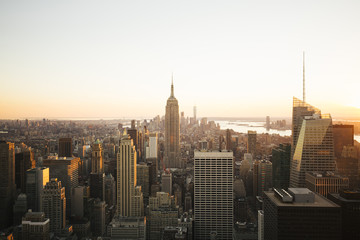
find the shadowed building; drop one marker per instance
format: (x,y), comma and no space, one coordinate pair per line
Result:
(35,226)
(65,147)
(326,182)
(251,143)
(23,162)
(7,183)
(281,166)
(36,179)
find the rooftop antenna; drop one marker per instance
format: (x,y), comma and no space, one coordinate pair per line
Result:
(303,76)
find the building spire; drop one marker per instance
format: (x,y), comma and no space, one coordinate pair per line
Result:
(172,85)
(303,76)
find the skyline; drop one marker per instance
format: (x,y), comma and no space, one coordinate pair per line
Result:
(115,60)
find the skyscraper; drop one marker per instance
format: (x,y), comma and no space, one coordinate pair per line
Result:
(7,182)
(97,161)
(213,195)
(35,226)
(23,162)
(97,176)
(36,179)
(172,132)
(281,166)
(314,149)
(251,143)
(65,147)
(126,177)
(53,204)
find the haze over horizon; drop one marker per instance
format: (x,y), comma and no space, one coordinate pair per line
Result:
(114,59)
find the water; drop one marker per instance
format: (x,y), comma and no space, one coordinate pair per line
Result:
(245,126)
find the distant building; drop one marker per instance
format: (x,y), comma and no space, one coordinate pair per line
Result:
(267,122)
(343,136)
(299,214)
(281,166)
(251,143)
(349,201)
(35,226)
(348,164)
(7,183)
(325,182)
(53,204)
(65,147)
(23,162)
(214,209)
(262,178)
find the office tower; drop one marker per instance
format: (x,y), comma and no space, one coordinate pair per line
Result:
(110,190)
(23,162)
(138,200)
(19,208)
(166,182)
(77,202)
(98,218)
(97,185)
(7,182)
(349,201)
(261,225)
(188,202)
(228,140)
(182,122)
(66,170)
(65,147)
(281,166)
(97,161)
(153,146)
(348,165)
(325,182)
(251,143)
(172,132)
(343,136)
(36,179)
(314,149)
(195,114)
(300,214)
(213,194)
(267,122)
(35,226)
(126,177)
(53,204)
(264,177)
(162,213)
(127,228)
(300,110)
(143,179)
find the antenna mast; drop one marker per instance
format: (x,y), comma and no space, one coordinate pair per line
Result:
(303,76)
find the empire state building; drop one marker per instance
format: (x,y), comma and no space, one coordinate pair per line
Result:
(172,132)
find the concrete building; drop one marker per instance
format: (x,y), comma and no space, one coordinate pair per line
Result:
(325,182)
(153,146)
(66,170)
(97,162)
(36,179)
(127,228)
(53,204)
(7,183)
(35,226)
(300,214)
(166,182)
(172,133)
(213,195)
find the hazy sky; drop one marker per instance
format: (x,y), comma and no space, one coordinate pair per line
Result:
(230,58)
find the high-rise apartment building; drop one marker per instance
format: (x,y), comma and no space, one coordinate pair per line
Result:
(314,149)
(53,204)
(213,195)
(36,179)
(299,214)
(172,132)
(65,147)
(251,143)
(126,177)
(7,182)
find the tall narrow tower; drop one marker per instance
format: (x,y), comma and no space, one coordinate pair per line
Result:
(172,132)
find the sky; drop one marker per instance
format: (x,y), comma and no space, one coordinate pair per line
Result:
(115,59)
